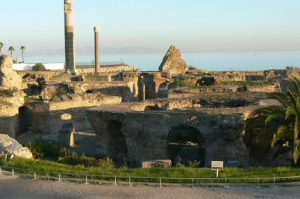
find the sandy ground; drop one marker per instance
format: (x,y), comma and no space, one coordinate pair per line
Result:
(15,188)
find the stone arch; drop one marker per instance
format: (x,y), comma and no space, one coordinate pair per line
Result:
(24,120)
(185,145)
(117,146)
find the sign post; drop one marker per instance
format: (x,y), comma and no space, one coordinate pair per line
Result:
(217,166)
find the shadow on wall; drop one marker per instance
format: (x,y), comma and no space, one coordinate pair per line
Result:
(117,146)
(24,120)
(186,146)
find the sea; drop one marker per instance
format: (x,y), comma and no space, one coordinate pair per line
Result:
(212,61)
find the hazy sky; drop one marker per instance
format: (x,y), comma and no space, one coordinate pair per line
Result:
(192,25)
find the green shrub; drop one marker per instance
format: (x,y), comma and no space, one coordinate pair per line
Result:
(39,67)
(53,151)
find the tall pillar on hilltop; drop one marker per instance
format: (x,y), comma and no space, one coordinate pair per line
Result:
(69,37)
(97,49)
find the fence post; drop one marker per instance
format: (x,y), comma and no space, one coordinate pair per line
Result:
(258,180)
(12,172)
(115,180)
(193,183)
(0,171)
(86,180)
(59,178)
(129,180)
(160,185)
(274,181)
(35,178)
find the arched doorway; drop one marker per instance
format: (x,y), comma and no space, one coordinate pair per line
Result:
(25,121)
(186,146)
(117,146)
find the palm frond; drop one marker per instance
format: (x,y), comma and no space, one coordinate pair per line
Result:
(280,134)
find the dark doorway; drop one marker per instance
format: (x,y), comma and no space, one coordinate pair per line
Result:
(186,146)
(117,146)
(25,121)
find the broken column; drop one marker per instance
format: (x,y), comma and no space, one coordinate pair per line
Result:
(66,135)
(97,49)
(69,38)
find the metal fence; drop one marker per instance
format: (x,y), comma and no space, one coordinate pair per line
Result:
(103,64)
(133,180)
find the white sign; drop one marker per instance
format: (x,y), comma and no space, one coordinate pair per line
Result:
(217,165)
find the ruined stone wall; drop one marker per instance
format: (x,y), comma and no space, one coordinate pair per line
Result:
(126,90)
(46,117)
(153,82)
(225,76)
(146,133)
(48,75)
(8,118)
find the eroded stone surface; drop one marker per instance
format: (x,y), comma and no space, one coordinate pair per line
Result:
(9,145)
(173,62)
(8,77)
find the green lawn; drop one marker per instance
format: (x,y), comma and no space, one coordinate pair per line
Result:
(43,167)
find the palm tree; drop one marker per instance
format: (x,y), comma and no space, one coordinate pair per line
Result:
(23,49)
(11,49)
(283,122)
(1,46)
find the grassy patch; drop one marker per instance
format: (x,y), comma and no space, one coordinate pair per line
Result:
(248,83)
(44,166)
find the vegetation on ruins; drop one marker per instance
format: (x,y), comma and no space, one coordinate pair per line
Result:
(180,83)
(22,50)
(283,122)
(7,92)
(1,46)
(55,152)
(39,67)
(248,83)
(11,49)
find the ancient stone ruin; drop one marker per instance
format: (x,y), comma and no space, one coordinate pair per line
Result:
(173,63)
(147,119)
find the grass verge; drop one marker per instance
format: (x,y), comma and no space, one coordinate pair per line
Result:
(170,175)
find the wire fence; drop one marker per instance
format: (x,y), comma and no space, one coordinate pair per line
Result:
(134,180)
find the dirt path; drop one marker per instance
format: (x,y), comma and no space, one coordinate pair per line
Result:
(14,188)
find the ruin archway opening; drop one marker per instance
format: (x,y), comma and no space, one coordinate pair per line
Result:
(186,146)
(117,146)
(24,120)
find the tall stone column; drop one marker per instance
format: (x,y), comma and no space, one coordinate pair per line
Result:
(69,37)
(142,89)
(97,49)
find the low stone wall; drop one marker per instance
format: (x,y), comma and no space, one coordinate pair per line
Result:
(126,90)
(46,117)
(85,70)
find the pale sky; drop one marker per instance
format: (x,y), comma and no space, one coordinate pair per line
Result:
(192,25)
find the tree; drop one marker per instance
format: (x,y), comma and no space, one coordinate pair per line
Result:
(22,50)
(283,121)
(1,46)
(11,49)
